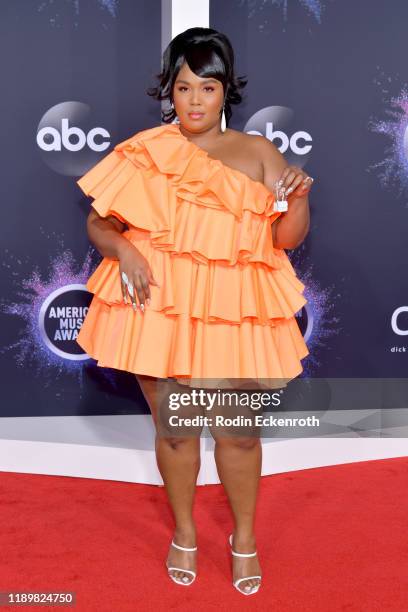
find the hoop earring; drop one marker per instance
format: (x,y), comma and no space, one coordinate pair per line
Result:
(223,121)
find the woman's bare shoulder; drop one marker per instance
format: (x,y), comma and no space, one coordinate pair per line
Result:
(256,144)
(268,154)
(245,152)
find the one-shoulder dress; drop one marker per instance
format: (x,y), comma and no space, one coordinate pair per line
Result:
(225,309)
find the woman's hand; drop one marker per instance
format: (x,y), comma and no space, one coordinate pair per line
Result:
(294,180)
(138,276)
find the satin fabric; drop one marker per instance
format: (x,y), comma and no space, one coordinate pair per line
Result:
(227,298)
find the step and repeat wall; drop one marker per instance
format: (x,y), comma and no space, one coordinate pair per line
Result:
(327,83)
(75,75)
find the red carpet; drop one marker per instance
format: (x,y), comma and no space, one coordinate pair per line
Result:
(329,539)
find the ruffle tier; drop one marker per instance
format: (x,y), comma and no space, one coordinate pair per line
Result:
(205,230)
(179,346)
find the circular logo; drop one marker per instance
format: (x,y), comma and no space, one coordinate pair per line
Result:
(68,141)
(60,319)
(399,321)
(278,124)
(305,321)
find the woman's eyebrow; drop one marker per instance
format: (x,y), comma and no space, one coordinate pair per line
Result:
(205,81)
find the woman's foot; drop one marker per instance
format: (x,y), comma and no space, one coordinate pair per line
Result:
(245,566)
(181,558)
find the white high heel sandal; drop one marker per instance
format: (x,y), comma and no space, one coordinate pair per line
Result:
(254,589)
(182,569)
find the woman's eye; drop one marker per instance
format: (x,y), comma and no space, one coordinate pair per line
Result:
(208,87)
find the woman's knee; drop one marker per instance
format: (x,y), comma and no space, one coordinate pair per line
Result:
(184,443)
(237,442)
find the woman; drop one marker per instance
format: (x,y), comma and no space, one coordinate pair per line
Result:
(184,217)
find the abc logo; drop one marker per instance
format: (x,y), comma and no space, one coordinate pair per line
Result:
(278,125)
(50,139)
(68,141)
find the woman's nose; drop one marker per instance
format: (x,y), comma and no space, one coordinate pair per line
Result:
(195,98)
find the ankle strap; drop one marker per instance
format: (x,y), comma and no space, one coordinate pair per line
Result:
(236,554)
(243,554)
(183,548)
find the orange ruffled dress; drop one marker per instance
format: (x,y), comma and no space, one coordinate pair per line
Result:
(227,298)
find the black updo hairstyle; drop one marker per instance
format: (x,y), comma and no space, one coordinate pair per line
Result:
(208,53)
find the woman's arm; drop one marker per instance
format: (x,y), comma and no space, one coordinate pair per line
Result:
(105,234)
(291,228)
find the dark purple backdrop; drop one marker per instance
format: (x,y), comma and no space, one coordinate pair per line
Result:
(338,67)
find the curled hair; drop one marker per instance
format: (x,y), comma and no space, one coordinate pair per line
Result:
(208,53)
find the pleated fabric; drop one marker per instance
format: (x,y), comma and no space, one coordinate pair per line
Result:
(227,300)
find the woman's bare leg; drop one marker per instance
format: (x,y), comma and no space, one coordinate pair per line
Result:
(178,460)
(239,463)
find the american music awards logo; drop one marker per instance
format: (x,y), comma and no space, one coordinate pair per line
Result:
(60,319)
